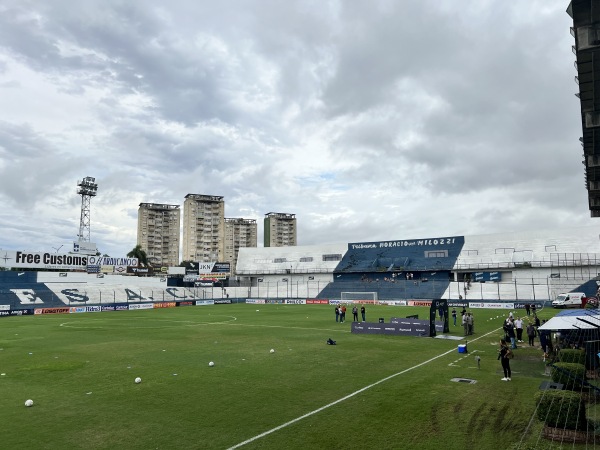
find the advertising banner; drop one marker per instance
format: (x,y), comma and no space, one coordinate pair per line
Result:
(419,303)
(290,301)
(310,301)
(141,306)
(255,301)
(416,329)
(51,311)
(205,302)
(185,303)
(16,312)
(84,248)
(140,270)
(223,301)
(165,305)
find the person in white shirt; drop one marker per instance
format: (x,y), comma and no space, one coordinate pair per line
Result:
(519,327)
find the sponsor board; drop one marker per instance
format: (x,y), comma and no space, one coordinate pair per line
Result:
(223,301)
(407,243)
(204,302)
(60,261)
(491,305)
(417,329)
(4,307)
(121,307)
(393,302)
(141,306)
(165,305)
(290,301)
(419,303)
(93,308)
(51,311)
(311,301)
(537,304)
(185,303)
(16,312)
(120,269)
(77,309)
(108,261)
(84,248)
(108,308)
(457,303)
(274,301)
(140,270)
(255,301)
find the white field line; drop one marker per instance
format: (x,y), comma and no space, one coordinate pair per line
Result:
(293,421)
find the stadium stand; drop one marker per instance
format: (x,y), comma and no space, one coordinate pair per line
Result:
(510,266)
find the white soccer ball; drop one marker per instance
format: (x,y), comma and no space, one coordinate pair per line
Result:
(211,364)
(138,380)
(29,403)
(272,350)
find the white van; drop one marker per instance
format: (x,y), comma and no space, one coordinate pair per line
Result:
(570,300)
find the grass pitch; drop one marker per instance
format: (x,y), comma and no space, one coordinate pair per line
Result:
(369,391)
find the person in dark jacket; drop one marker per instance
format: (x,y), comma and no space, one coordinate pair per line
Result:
(504,355)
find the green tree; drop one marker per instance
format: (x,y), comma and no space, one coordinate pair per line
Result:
(139,253)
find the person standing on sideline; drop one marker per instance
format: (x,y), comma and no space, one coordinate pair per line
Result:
(337,314)
(531,333)
(527,309)
(454,315)
(510,331)
(355,313)
(471,323)
(465,323)
(343,315)
(519,327)
(363,313)
(504,355)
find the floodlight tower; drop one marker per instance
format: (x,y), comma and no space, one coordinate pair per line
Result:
(87,188)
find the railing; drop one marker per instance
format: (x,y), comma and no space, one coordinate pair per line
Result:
(519,289)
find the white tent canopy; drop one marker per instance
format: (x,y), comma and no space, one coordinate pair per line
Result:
(580,319)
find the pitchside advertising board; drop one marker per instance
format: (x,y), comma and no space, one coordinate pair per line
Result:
(32,260)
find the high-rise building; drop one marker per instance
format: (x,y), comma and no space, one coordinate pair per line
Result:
(203,228)
(158,233)
(586,31)
(280,230)
(238,233)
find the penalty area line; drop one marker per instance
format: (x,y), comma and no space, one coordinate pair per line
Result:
(322,408)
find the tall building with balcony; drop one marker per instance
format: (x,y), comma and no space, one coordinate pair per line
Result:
(158,233)
(280,230)
(203,228)
(586,31)
(238,233)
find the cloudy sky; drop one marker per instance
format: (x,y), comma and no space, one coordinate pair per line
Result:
(368,119)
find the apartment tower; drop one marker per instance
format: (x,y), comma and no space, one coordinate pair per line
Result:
(238,233)
(203,228)
(280,230)
(158,233)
